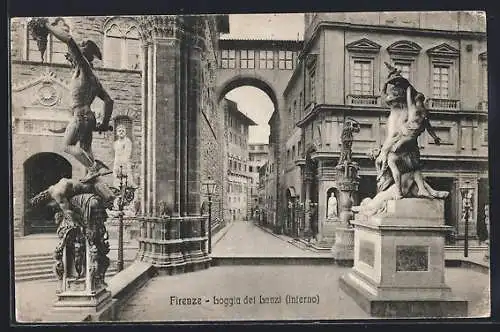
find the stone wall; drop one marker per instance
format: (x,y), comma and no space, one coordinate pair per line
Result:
(211,123)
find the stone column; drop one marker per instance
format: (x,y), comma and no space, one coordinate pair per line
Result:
(193,129)
(171,145)
(307,200)
(348,185)
(162,106)
(326,228)
(144,100)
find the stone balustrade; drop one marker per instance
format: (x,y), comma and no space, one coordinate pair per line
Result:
(443,104)
(363,100)
(174,244)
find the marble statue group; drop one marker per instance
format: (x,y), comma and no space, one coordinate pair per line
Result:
(398,160)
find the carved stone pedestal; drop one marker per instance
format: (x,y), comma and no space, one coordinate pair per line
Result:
(82,262)
(92,302)
(174,244)
(399,266)
(85,295)
(343,249)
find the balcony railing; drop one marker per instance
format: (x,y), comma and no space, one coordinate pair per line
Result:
(363,100)
(443,104)
(483,106)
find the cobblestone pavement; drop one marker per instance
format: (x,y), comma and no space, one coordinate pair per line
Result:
(34,299)
(244,238)
(157,300)
(153,302)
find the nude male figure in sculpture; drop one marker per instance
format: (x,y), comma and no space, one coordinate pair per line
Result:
(85,87)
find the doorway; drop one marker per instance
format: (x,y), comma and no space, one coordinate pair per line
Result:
(41,171)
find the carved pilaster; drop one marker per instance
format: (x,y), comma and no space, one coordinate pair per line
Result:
(194,89)
(144,114)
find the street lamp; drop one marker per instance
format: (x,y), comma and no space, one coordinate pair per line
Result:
(210,186)
(467,205)
(313,213)
(121,204)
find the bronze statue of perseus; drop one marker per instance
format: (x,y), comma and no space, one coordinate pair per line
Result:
(85,87)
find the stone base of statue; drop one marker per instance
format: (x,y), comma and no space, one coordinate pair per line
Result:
(399,268)
(82,297)
(82,262)
(326,235)
(343,249)
(92,302)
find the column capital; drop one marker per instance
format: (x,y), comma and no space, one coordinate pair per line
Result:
(160,26)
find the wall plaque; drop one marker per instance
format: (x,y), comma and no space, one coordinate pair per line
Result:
(367,252)
(412,258)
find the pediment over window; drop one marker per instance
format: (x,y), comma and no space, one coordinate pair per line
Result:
(443,50)
(404,47)
(483,56)
(363,45)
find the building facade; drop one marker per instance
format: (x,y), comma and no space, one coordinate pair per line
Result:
(134,56)
(340,74)
(238,185)
(257,157)
(269,179)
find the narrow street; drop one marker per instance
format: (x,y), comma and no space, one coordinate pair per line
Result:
(244,238)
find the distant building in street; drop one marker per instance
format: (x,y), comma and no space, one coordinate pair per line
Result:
(257,157)
(268,179)
(340,74)
(238,183)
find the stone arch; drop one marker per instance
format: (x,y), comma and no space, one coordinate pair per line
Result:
(119,21)
(255,81)
(40,171)
(291,192)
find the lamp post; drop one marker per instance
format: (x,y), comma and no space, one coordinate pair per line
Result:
(466,202)
(210,189)
(121,204)
(313,214)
